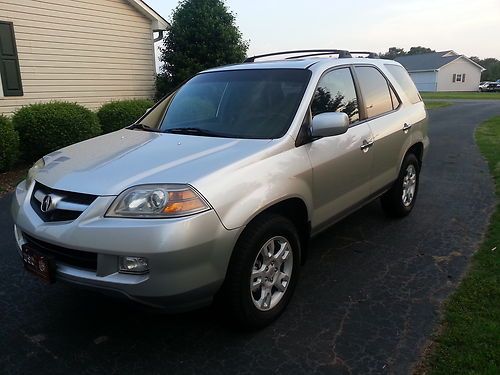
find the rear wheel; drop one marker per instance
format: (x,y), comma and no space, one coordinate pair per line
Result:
(263,272)
(400,199)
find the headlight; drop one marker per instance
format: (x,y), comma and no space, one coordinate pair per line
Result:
(33,171)
(157,201)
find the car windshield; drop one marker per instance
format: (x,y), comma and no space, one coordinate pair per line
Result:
(258,103)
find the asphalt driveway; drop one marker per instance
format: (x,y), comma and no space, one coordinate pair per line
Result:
(367,302)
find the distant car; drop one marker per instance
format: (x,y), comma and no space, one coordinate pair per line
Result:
(489,86)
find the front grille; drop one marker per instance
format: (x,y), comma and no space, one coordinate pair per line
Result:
(67,205)
(76,258)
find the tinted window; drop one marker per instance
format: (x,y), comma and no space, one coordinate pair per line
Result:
(257,103)
(336,93)
(375,91)
(405,82)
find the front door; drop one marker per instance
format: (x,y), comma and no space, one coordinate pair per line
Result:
(341,164)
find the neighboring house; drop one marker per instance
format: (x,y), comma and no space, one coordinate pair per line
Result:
(442,71)
(84,51)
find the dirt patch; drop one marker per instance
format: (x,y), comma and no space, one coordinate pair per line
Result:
(9,180)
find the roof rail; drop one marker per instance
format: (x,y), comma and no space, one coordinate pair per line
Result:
(370,55)
(312,52)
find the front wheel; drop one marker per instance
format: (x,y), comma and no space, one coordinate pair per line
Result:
(262,273)
(400,199)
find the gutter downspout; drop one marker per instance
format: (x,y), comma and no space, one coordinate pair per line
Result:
(159,37)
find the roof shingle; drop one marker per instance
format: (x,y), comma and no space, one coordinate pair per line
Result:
(426,61)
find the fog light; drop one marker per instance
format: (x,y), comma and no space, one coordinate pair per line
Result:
(133,265)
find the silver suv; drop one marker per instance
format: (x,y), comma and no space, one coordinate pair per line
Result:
(216,190)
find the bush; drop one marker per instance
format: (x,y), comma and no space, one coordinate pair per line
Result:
(44,128)
(116,115)
(9,144)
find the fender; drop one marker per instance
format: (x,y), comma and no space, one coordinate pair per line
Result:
(252,188)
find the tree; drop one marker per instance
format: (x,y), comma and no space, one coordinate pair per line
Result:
(393,53)
(397,52)
(203,35)
(492,66)
(419,50)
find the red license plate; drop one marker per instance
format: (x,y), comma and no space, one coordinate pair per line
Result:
(39,264)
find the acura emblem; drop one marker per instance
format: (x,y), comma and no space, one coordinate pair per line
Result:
(46,205)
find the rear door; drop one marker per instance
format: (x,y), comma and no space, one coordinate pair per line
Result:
(341,164)
(391,134)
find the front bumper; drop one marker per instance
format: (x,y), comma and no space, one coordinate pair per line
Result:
(188,257)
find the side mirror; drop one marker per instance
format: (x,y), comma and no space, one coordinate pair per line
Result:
(329,123)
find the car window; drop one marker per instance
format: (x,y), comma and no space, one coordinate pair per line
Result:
(202,100)
(375,91)
(405,82)
(336,93)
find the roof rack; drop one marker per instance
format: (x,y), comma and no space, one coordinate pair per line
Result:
(312,52)
(369,55)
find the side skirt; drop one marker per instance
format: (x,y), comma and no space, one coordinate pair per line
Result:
(335,219)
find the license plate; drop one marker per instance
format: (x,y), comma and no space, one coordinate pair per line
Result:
(39,264)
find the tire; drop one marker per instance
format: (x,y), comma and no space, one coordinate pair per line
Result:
(394,202)
(236,297)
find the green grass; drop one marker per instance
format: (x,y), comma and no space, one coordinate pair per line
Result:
(470,340)
(460,95)
(433,104)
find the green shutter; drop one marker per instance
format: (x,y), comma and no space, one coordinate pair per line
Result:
(9,63)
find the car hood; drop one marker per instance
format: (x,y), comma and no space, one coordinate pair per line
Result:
(109,164)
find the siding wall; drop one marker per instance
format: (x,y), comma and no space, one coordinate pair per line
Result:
(85,51)
(459,66)
(425,81)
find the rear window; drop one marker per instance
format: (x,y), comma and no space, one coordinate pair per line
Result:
(405,82)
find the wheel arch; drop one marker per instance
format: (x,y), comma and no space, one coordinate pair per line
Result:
(418,150)
(294,209)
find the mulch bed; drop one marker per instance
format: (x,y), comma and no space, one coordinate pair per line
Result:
(9,180)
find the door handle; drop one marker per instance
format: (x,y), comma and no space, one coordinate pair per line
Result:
(366,145)
(406,127)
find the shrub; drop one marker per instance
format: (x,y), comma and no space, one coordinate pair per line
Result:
(9,144)
(116,115)
(44,128)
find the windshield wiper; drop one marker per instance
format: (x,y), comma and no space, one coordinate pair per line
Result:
(196,131)
(144,127)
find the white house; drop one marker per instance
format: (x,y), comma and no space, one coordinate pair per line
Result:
(88,52)
(442,71)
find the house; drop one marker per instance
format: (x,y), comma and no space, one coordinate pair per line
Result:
(442,71)
(84,51)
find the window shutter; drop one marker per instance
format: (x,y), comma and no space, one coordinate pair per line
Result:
(9,63)
(463,77)
(454,77)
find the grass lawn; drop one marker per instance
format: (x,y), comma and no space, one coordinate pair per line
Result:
(433,104)
(470,340)
(460,95)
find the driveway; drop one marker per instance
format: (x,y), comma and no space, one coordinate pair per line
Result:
(368,299)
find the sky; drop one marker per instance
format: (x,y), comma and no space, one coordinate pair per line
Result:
(469,27)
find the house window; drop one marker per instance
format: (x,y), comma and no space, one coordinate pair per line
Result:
(458,78)
(9,62)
